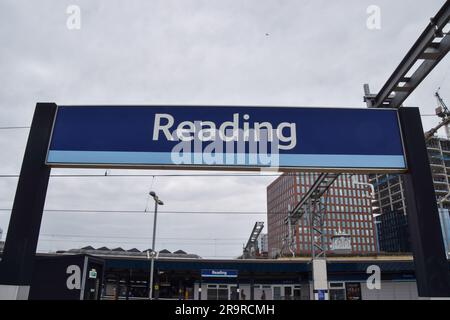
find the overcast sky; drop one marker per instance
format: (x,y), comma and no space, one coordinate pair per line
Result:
(252,52)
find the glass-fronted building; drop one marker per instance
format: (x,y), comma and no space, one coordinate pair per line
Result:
(390,207)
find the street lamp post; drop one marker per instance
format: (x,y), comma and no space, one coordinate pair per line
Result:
(152,261)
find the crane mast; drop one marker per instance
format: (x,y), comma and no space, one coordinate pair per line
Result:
(442,112)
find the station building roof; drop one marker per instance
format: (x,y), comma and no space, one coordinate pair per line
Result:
(131,253)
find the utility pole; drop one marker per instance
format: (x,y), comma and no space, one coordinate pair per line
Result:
(152,261)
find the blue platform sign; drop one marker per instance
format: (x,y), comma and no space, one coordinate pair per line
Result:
(227,137)
(219,273)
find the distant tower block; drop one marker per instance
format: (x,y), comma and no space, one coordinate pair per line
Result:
(1,234)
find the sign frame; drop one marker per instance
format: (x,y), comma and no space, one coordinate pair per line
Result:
(16,266)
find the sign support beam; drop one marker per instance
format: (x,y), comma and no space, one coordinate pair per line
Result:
(429,49)
(431,265)
(16,267)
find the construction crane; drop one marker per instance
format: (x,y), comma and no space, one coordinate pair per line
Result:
(442,112)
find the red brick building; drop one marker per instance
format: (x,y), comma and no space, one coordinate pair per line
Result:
(348,210)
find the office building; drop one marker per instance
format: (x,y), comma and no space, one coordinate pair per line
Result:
(348,211)
(393,232)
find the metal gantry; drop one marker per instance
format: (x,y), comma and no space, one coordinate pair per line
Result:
(251,246)
(313,204)
(429,49)
(316,216)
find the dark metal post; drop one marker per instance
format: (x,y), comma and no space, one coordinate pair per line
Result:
(157,284)
(152,261)
(26,215)
(118,293)
(252,286)
(128,285)
(431,266)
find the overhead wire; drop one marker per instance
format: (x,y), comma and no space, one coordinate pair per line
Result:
(14,127)
(149,175)
(212,212)
(141,242)
(136,237)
